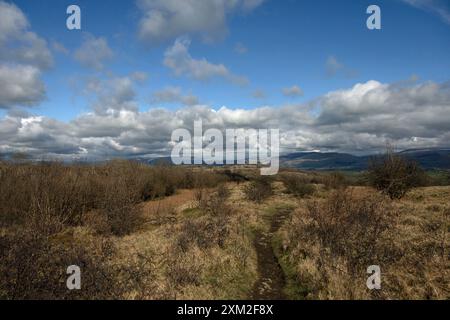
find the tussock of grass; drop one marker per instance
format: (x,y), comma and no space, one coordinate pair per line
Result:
(142,232)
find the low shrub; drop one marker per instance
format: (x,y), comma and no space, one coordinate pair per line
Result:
(298,186)
(394,175)
(259,189)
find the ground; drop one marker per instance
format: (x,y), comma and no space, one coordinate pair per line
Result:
(262,227)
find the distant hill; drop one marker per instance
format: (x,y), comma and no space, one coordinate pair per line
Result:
(428,158)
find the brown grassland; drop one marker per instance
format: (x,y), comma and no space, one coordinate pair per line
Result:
(163,232)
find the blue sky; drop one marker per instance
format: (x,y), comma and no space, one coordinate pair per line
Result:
(263,54)
(288,44)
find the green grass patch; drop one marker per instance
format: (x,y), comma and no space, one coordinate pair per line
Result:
(293,290)
(193,213)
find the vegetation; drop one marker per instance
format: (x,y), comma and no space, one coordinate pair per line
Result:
(162,232)
(259,189)
(395,175)
(297,185)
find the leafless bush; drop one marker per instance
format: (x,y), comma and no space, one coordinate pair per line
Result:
(235,176)
(34,267)
(204,233)
(223,192)
(351,227)
(297,186)
(394,175)
(259,189)
(334,180)
(50,195)
(215,204)
(180,273)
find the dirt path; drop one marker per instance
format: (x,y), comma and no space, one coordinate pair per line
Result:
(271,280)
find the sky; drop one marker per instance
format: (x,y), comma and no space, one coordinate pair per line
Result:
(137,70)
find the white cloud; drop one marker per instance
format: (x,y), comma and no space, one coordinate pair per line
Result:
(174,94)
(20,86)
(112,93)
(12,21)
(438,7)
(361,118)
(93,52)
(17,43)
(165,20)
(23,57)
(294,91)
(179,60)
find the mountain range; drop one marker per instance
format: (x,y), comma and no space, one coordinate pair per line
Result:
(429,159)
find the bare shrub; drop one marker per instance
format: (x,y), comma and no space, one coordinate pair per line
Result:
(223,192)
(215,205)
(259,189)
(180,271)
(394,175)
(42,203)
(331,244)
(118,203)
(50,195)
(235,176)
(203,233)
(350,226)
(34,267)
(334,180)
(297,186)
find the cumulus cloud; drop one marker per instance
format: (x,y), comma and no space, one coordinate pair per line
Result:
(438,7)
(93,52)
(12,21)
(174,94)
(294,91)
(23,57)
(18,44)
(361,118)
(165,20)
(112,92)
(20,85)
(180,61)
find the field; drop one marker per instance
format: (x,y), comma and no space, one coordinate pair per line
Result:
(161,232)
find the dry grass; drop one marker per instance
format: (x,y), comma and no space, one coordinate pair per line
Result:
(140,232)
(330,243)
(41,206)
